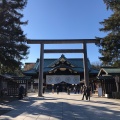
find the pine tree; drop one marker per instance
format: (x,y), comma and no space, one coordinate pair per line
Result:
(110,44)
(13,46)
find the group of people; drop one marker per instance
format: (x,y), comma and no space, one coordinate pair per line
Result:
(86,92)
(76,89)
(58,90)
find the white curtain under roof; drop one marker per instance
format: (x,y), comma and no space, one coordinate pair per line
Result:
(55,79)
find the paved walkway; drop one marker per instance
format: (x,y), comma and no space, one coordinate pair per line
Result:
(62,107)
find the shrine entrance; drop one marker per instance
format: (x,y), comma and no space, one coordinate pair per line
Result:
(63,81)
(63,86)
(68,41)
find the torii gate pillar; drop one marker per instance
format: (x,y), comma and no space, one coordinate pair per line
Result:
(41,63)
(86,75)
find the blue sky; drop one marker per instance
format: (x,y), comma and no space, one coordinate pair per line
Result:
(64,19)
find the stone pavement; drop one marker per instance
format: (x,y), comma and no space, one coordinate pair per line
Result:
(62,107)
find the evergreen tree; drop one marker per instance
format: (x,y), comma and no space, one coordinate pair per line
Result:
(116,64)
(13,46)
(110,44)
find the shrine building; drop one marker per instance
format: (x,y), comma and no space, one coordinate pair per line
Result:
(62,71)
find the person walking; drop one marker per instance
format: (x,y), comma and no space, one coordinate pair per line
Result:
(53,89)
(81,88)
(78,89)
(43,89)
(68,90)
(84,92)
(74,89)
(88,93)
(57,89)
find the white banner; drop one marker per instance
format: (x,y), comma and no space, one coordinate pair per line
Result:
(55,79)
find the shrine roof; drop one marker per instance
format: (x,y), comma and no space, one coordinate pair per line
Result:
(31,71)
(109,71)
(94,71)
(75,64)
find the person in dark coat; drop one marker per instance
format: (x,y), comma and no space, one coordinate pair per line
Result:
(21,92)
(84,92)
(74,89)
(58,89)
(78,90)
(53,89)
(88,93)
(43,89)
(68,90)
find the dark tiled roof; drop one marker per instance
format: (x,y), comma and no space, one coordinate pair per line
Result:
(109,71)
(76,62)
(112,70)
(5,77)
(78,69)
(32,72)
(49,64)
(94,71)
(57,60)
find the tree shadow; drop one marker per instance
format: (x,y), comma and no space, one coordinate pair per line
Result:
(62,109)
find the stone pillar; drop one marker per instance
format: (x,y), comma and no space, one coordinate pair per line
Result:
(85,62)
(41,65)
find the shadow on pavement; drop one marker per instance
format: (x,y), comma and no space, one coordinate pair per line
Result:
(63,109)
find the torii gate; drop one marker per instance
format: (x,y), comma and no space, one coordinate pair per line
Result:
(63,41)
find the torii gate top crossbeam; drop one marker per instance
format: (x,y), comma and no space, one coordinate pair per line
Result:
(61,41)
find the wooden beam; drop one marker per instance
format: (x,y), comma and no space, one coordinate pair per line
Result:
(64,51)
(60,41)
